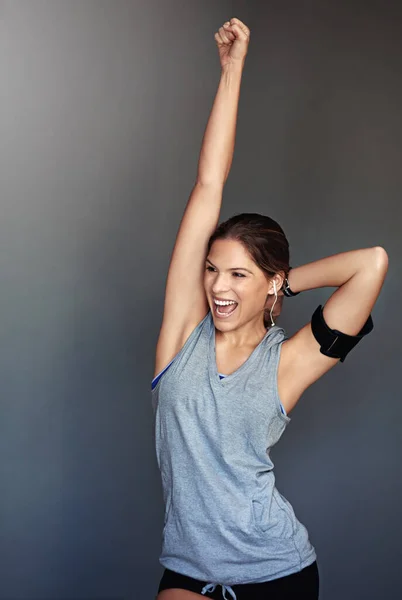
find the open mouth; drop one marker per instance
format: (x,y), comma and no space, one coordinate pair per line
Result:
(224,308)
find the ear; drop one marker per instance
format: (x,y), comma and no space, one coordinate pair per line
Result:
(279,279)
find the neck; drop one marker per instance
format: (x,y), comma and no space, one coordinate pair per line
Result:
(248,334)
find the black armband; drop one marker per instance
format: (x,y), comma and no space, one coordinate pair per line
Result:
(334,343)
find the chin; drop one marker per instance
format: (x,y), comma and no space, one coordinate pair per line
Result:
(225,325)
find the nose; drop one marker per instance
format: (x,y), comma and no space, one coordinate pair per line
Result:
(220,284)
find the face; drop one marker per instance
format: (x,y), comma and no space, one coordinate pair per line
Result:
(232,275)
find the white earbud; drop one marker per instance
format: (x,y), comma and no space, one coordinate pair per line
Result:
(272,307)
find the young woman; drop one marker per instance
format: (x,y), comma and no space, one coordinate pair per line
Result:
(226,377)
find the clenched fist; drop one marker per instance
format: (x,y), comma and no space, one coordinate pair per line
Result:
(232,40)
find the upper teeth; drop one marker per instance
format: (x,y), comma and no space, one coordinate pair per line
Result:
(224,302)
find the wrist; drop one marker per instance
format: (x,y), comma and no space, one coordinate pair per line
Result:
(235,67)
(287,288)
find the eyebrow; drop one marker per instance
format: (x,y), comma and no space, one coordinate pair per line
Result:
(233,268)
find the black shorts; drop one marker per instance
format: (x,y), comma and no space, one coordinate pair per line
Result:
(303,584)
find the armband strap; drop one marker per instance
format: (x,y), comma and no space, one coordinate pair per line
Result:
(334,343)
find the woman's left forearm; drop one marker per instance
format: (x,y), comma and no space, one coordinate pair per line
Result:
(335,270)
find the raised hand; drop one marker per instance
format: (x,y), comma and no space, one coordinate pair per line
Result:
(232,40)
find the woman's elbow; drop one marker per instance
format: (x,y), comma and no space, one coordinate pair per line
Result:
(380,261)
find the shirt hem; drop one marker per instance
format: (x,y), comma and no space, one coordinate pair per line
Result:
(230,582)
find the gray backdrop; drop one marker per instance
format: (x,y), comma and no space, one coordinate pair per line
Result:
(103,108)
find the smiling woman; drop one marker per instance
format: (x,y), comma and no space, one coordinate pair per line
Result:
(226,377)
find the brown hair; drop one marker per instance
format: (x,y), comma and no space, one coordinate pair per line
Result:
(265,241)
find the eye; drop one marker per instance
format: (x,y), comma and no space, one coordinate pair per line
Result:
(237,274)
(209,268)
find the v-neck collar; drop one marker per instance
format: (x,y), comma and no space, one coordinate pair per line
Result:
(212,366)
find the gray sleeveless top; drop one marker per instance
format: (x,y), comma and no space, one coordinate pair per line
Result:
(225,521)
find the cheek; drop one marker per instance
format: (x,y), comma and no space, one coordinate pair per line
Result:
(247,290)
(254,293)
(208,281)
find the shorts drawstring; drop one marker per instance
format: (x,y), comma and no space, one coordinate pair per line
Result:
(210,587)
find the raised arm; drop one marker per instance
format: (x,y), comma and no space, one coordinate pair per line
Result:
(359,276)
(185,301)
